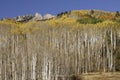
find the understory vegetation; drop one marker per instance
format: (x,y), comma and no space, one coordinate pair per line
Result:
(70,44)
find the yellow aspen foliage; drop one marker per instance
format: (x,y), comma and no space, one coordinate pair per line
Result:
(23,28)
(10,22)
(63,21)
(80,12)
(108,22)
(20,28)
(106,16)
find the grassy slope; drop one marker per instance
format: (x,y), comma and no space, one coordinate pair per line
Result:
(101,76)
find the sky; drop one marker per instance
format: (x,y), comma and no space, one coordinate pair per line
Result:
(13,8)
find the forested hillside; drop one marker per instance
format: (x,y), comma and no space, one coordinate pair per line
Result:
(72,43)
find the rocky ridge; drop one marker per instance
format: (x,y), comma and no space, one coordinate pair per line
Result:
(35,17)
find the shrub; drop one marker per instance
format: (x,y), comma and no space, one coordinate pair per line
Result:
(89,20)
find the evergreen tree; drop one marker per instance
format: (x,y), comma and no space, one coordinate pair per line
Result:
(117,14)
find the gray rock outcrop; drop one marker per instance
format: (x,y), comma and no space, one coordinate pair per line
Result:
(24,18)
(48,16)
(37,17)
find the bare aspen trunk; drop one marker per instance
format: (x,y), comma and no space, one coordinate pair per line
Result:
(56,53)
